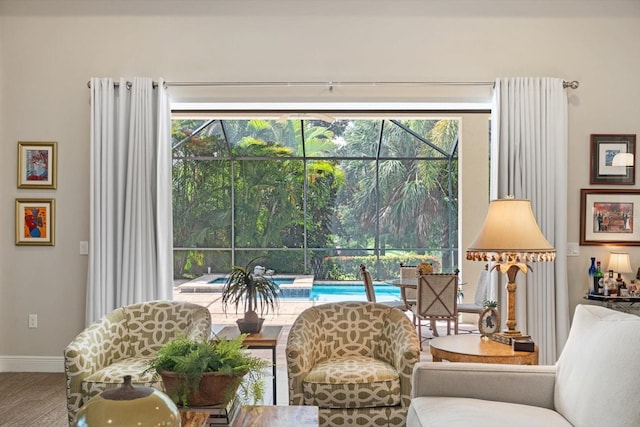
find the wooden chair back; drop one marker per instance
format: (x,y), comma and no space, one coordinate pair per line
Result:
(368,283)
(437,296)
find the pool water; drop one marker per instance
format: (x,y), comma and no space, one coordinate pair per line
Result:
(342,292)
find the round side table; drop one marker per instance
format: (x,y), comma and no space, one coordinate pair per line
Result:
(474,348)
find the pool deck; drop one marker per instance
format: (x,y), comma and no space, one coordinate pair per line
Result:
(203,283)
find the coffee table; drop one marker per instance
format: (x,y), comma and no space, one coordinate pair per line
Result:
(267,338)
(475,348)
(281,416)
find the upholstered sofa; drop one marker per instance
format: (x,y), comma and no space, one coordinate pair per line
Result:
(122,342)
(354,361)
(595,383)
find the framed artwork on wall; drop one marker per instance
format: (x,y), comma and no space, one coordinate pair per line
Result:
(607,217)
(613,159)
(35,222)
(37,164)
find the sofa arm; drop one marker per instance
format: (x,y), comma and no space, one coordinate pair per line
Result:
(305,346)
(94,348)
(399,346)
(524,384)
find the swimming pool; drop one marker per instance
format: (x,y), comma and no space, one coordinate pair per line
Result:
(338,292)
(327,291)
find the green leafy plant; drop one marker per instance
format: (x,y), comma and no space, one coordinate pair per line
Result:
(490,303)
(254,291)
(193,358)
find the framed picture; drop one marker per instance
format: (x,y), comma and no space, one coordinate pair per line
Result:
(613,159)
(35,221)
(489,321)
(37,165)
(607,217)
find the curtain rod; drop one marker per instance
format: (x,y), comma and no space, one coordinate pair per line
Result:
(330,85)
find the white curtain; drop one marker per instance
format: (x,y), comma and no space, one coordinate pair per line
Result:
(529,161)
(131,228)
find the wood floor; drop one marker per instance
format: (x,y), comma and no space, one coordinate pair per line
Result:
(32,399)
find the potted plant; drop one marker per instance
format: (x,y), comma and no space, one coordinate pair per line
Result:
(209,372)
(254,288)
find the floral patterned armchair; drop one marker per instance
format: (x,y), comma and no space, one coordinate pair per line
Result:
(354,361)
(122,342)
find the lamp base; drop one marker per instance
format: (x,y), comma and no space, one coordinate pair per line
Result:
(506,337)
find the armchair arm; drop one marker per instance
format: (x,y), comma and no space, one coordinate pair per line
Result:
(304,348)
(97,346)
(200,324)
(399,346)
(524,384)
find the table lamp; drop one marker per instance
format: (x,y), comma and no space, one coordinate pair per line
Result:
(510,237)
(619,263)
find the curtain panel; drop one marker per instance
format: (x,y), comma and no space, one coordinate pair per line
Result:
(131,225)
(529,161)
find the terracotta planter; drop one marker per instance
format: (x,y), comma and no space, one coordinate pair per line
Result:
(214,388)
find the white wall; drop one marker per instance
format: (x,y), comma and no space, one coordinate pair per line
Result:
(49,50)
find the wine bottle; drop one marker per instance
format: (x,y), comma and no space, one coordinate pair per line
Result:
(597,280)
(591,272)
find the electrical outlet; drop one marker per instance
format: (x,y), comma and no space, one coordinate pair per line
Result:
(33,321)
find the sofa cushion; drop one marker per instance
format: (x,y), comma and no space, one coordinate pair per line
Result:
(353,382)
(597,374)
(113,376)
(448,411)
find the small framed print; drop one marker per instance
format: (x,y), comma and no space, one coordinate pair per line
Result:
(607,217)
(35,221)
(613,159)
(37,163)
(489,322)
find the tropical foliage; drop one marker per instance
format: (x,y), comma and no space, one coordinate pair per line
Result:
(302,192)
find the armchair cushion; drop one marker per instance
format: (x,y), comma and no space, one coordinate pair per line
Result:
(352,382)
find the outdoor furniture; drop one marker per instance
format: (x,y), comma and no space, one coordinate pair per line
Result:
(371,293)
(437,300)
(122,342)
(481,295)
(409,295)
(354,361)
(593,384)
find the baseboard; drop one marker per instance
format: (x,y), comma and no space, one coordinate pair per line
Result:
(31,364)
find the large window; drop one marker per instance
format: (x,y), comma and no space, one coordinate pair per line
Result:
(316,195)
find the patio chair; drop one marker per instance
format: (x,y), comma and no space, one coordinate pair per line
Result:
(371,293)
(437,300)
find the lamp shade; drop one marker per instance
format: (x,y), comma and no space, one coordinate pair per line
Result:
(510,228)
(619,262)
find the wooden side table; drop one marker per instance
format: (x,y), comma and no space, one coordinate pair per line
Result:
(267,338)
(474,348)
(281,416)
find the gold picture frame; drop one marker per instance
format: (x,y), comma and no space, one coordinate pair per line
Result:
(37,165)
(489,321)
(35,222)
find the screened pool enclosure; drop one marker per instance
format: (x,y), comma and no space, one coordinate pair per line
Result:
(314,193)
